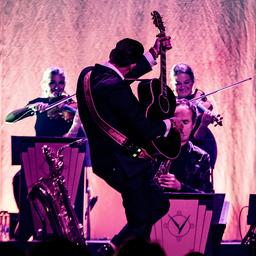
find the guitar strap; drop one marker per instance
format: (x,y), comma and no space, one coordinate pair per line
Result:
(114,134)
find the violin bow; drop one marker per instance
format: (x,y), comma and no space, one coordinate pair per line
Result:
(221,89)
(195,99)
(57,103)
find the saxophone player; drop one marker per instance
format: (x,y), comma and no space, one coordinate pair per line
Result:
(191,170)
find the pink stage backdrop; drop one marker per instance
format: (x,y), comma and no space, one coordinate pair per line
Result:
(217,38)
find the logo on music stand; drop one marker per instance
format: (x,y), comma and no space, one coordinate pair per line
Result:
(179,225)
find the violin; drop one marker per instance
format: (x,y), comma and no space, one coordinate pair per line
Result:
(64,108)
(203,104)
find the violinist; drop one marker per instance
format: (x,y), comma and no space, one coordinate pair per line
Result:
(56,121)
(52,123)
(182,80)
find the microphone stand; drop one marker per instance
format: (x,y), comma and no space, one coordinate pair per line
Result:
(91,201)
(87,211)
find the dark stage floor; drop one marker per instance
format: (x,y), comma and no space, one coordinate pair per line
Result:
(13,248)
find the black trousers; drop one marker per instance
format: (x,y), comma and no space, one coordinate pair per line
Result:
(144,202)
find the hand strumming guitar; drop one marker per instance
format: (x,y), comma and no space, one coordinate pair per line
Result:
(177,123)
(173,123)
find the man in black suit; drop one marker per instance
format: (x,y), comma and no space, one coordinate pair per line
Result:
(116,104)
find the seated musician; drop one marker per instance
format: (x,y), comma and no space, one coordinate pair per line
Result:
(182,80)
(52,123)
(191,170)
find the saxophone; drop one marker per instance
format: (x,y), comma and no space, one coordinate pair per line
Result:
(162,169)
(50,198)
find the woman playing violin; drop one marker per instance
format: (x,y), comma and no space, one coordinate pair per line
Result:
(182,79)
(56,121)
(52,123)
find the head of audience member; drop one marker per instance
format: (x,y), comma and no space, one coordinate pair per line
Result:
(125,54)
(182,80)
(12,249)
(61,245)
(139,247)
(187,113)
(53,82)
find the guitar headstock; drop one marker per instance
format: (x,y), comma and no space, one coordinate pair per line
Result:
(158,22)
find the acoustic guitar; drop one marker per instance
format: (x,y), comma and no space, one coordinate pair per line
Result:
(159,103)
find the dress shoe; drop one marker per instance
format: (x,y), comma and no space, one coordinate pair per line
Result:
(106,250)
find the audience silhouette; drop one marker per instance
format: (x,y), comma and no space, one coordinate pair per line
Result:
(139,247)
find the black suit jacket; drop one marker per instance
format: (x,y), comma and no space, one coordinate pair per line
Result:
(192,168)
(117,105)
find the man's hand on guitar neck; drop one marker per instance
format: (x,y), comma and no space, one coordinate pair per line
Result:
(165,41)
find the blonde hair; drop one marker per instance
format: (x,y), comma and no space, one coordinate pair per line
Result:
(48,73)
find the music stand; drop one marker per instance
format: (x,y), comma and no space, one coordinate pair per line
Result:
(27,151)
(189,224)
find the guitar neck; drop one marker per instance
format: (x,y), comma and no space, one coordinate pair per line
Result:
(159,24)
(163,71)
